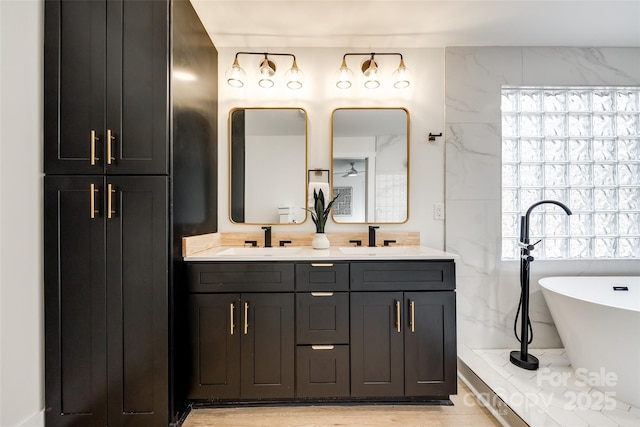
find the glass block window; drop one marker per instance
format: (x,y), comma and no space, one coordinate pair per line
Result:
(391,197)
(580,146)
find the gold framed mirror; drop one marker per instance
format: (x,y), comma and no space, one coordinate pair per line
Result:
(267,165)
(370,165)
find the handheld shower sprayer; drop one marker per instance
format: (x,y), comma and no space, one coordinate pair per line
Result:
(521,358)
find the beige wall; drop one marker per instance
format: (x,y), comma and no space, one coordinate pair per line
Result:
(424,100)
(21,313)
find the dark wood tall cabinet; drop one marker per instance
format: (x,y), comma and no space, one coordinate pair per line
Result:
(107,87)
(106,306)
(130,164)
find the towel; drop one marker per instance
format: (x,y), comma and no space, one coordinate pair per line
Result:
(318,186)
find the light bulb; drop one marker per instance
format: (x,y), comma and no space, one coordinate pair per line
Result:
(370,71)
(344,76)
(294,76)
(235,75)
(371,74)
(401,76)
(266,71)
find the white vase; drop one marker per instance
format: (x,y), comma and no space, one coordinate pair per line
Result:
(320,241)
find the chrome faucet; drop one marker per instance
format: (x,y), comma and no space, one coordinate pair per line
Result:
(372,235)
(267,237)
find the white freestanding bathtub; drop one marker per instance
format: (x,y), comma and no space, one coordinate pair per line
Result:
(599,324)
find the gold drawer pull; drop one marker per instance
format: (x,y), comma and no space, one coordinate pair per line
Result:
(398,326)
(413,316)
(93,191)
(246,318)
(109,139)
(94,138)
(322,347)
(321,294)
(110,192)
(231,308)
(315,264)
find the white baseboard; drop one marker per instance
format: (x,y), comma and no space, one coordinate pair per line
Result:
(36,420)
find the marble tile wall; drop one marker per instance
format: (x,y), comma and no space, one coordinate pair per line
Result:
(488,288)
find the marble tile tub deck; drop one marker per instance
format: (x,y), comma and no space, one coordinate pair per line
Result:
(551,396)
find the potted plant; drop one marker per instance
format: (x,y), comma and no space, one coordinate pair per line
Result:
(319,215)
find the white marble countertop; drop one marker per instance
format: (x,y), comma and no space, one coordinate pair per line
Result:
(301,253)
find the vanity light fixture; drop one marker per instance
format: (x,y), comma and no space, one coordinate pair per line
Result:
(236,76)
(369,67)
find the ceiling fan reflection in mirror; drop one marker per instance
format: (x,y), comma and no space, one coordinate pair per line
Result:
(352,171)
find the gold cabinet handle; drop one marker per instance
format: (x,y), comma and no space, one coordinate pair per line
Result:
(94,138)
(92,197)
(321,294)
(246,318)
(315,264)
(398,326)
(322,347)
(412,305)
(110,192)
(232,306)
(110,137)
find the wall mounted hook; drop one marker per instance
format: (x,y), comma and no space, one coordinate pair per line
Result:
(433,136)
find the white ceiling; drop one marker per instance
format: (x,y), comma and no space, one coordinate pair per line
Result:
(420,23)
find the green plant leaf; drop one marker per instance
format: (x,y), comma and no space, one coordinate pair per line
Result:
(320,214)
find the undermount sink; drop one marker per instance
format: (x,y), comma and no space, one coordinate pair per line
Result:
(378,250)
(260,251)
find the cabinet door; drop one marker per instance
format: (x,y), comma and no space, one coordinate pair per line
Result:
(430,344)
(137,87)
(74,294)
(215,346)
(376,344)
(106,87)
(137,300)
(267,357)
(74,86)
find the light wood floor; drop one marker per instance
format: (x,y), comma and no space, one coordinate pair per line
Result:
(466,412)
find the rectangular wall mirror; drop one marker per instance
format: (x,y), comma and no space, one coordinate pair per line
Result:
(370,149)
(267,165)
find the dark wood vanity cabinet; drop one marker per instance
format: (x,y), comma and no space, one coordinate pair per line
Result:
(242,344)
(322,330)
(403,344)
(403,337)
(106,74)
(394,342)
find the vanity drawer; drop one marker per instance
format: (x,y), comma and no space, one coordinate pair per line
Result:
(322,371)
(322,318)
(403,276)
(322,276)
(240,277)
